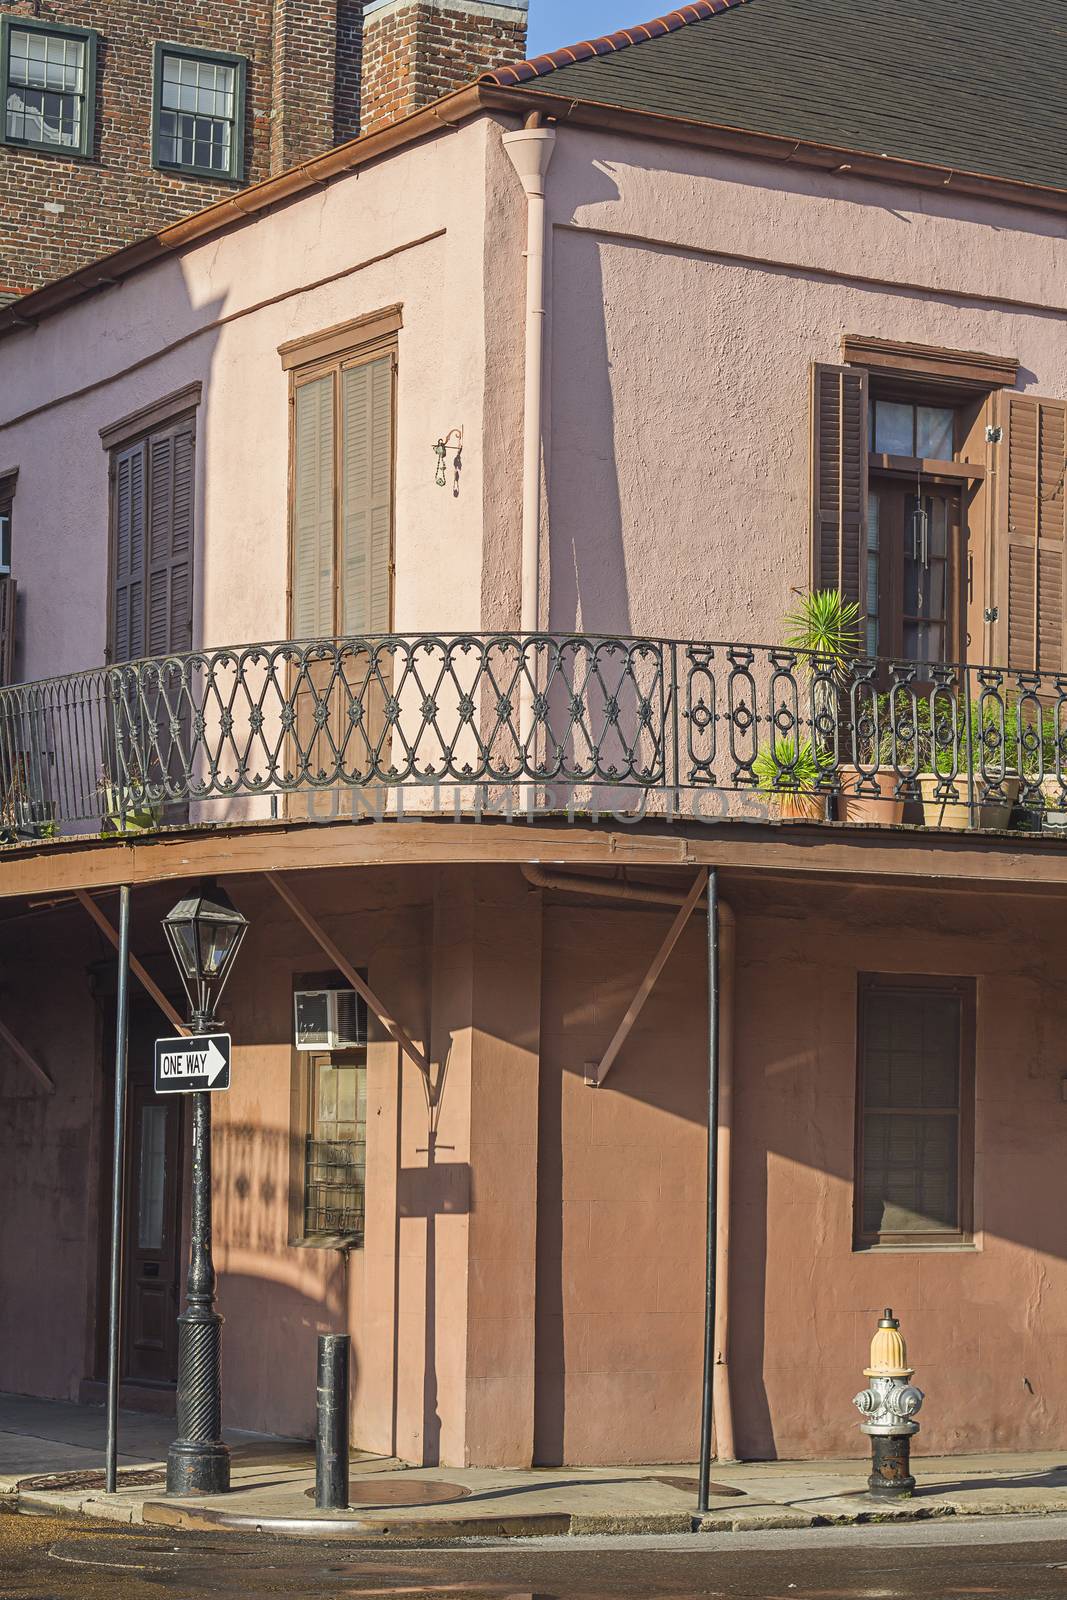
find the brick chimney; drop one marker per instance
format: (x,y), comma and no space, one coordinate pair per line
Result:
(414,51)
(317,46)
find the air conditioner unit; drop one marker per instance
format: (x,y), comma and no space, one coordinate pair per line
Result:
(330,1019)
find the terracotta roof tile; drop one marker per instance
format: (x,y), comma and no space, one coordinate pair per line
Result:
(608,44)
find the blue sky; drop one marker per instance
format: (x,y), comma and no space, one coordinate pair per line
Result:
(558,22)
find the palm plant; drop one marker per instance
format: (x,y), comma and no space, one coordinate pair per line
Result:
(826,625)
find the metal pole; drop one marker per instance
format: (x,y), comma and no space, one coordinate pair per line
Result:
(707,1412)
(118,1173)
(198,1462)
(331,1431)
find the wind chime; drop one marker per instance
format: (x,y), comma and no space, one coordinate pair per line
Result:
(920,539)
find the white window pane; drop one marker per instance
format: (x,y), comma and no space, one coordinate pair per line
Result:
(935,432)
(153,1177)
(894,428)
(171,69)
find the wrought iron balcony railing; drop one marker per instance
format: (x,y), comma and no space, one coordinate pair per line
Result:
(590,721)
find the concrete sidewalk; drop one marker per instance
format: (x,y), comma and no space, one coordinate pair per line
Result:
(63,1445)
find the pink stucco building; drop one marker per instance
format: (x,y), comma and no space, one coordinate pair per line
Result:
(522,423)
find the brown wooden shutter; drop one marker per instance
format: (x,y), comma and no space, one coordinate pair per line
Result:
(313,510)
(129,515)
(1029,527)
(839,480)
(8,634)
(170,541)
(367,497)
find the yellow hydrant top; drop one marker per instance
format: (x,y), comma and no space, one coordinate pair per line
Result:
(889,1353)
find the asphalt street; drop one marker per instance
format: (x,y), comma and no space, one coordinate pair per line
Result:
(1020,1558)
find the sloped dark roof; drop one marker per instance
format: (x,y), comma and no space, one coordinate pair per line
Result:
(974,85)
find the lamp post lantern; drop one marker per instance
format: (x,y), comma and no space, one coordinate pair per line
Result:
(205,932)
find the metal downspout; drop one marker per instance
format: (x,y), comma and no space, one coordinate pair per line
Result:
(707,1416)
(649,894)
(531,151)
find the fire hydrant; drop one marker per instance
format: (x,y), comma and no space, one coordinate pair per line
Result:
(889,1407)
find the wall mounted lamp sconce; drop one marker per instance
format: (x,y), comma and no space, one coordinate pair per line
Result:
(452,441)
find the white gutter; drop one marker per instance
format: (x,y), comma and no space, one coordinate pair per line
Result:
(531,152)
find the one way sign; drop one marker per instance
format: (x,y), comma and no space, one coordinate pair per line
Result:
(186,1065)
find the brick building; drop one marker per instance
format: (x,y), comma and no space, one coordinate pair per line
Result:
(121,116)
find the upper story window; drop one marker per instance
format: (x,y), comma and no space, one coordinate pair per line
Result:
(7,499)
(342,403)
(198,112)
(48,81)
(926,433)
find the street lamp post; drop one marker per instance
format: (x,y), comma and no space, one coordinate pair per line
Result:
(205,932)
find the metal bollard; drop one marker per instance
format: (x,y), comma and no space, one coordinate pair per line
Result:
(331,1434)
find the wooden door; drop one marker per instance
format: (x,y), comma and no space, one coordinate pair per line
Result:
(915,572)
(153,1236)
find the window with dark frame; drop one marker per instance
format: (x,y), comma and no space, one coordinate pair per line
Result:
(335,1155)
(7,506)
(914,559)
(198,112)
(48,84)
(915,1111)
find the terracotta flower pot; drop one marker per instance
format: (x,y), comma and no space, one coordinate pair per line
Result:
(994,814)
(884,808)
(801,807)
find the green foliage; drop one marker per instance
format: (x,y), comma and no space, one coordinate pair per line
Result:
(827,625)
(1018,739)
(787,768)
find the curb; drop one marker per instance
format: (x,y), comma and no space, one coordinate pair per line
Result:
(342,1525)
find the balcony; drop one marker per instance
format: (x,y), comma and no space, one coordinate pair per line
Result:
(547,723)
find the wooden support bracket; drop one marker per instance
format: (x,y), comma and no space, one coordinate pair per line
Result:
(111,933)
(594,1075)
(27,1060)
(348,971)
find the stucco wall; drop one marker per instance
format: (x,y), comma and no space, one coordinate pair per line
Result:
(621,1219)
(196,319)
(690,293)
(48,1170)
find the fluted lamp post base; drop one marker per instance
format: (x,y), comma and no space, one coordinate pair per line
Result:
(198,1462)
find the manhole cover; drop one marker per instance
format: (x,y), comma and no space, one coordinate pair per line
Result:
(692,1486)
(406,1492)
(93,1480)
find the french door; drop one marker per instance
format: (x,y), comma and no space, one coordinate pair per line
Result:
(915,573)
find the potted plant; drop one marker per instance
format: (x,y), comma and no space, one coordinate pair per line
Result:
(956,793)
(125,809)
(789,771)
(827,628)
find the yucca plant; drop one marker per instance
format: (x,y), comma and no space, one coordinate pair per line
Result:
(789,769)
(827,625)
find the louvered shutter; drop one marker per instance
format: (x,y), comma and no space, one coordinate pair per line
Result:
(170,541)
(313,511)
(129,512)
(1030,523)
(8,629)
(839,481)
(367,498)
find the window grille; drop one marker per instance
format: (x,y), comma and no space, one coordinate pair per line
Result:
(199,112)
(48,87)
(335,1157)
(915,1105)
